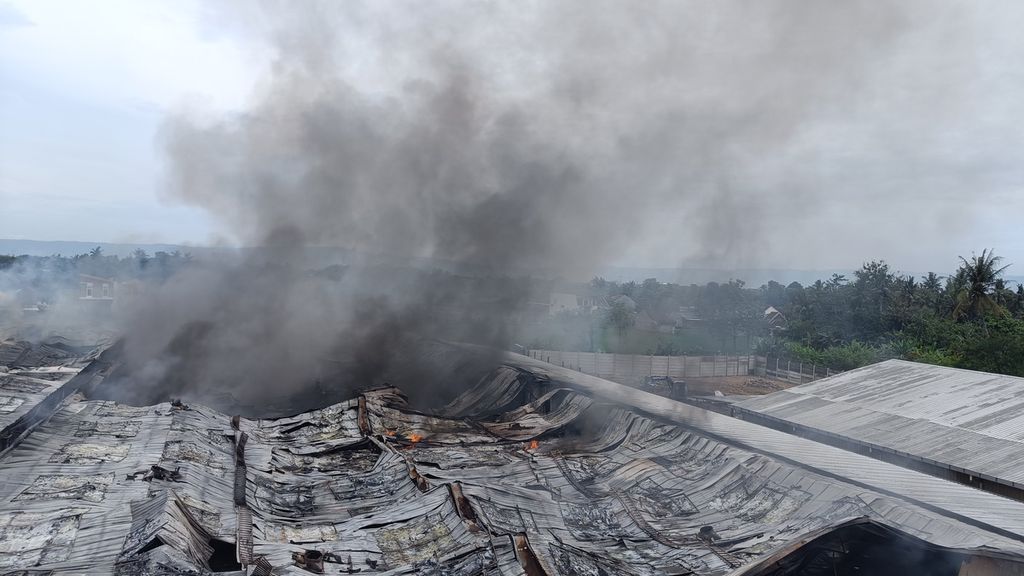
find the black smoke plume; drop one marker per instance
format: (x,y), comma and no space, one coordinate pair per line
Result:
(500,139)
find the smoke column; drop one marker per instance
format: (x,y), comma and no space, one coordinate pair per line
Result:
(496,137)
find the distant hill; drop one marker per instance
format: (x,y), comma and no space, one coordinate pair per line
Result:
(685,276)
(752,278)
(65,248)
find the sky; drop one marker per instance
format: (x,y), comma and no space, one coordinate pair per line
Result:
(889,130)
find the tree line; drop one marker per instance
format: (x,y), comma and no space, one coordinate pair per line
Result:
(45,277)
(971,318)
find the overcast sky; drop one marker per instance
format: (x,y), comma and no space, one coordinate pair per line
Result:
(908,146)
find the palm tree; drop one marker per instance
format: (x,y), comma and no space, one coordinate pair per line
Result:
(931,291)
(974,281)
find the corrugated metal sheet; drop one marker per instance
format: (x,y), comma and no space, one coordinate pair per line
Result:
(21,390)
(620,482)
(964,420)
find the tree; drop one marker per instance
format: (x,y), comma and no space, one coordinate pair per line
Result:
(1000,349)
(1017,304)
(774,294)
(620,316)
(1002,294)
(931,292)
(140,257)
(873,292)
(974,282)
(836,282)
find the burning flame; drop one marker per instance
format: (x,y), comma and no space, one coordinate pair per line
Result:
(533,445)
(414,437)
(390,433)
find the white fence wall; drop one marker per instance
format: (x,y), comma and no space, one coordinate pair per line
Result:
(796,372)
(625,366)
(631,366)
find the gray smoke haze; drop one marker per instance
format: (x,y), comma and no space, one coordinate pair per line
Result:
(559,128)
(509,138)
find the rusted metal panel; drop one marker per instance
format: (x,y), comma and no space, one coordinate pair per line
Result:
(527,559)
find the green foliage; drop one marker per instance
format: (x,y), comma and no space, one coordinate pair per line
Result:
(970,319)
(973,320)
(841,357)
(932,356)
(1000,349)
(973,286)
(620,317)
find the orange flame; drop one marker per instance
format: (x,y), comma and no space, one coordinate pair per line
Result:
(534,445)
(414,437)
(390,433)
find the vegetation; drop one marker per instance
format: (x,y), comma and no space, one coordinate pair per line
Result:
(620,317)
(722,318)
(970,319)
(41,278)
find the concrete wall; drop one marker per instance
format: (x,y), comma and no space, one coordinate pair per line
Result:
(631,366)
(625,366)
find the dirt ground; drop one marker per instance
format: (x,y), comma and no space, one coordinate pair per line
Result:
(730,385)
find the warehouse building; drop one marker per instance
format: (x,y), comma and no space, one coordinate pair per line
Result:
(535,470)
(957,424)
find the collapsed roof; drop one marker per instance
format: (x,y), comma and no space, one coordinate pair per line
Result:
(535,470)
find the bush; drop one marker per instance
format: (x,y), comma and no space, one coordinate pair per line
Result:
(842,357)
(1000,350)
(849,356)
(934,356)
(802,353)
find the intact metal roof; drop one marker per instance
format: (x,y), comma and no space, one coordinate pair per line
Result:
(971,422)
(618,482)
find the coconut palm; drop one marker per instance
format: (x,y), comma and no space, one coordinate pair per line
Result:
(974,282)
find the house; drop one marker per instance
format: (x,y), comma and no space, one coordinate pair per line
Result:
(574,301)
(644,321)
(97,293)
(774,318)
(688,316)
(95,288)
(625,301)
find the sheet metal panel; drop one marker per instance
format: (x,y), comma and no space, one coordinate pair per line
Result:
(620,482)
(994,511)
(959,419)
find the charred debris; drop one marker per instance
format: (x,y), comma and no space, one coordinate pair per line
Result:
(533,470)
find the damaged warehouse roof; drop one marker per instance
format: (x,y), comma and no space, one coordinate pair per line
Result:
(535,470)
(965,425)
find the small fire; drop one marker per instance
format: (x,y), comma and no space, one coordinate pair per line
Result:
(414,437)
(390,433)
(533,445)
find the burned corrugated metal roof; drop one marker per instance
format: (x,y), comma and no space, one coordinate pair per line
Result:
(33,375)
(52,351)
(966,421)
(536,470)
